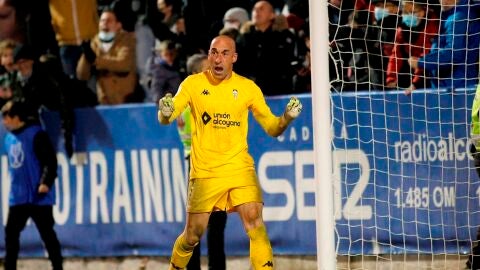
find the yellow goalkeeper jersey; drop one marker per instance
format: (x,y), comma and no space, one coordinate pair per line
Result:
(220,119)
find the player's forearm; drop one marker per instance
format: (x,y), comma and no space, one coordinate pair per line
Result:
(293,109)
(281,125)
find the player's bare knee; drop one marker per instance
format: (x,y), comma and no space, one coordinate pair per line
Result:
(251,216)
(191,240)
(252,225)
(193,235)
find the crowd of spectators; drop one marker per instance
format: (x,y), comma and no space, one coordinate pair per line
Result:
(408,44)
(111,52)
(60,55)
(122,51)
(375,44)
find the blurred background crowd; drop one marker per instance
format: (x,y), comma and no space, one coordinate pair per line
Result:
(61,55)
(112,52)
(407,44)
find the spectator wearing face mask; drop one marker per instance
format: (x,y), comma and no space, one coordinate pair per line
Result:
(413,39)
(111,57)
(380,47)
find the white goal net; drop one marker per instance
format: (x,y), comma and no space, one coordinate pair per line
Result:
(403,77)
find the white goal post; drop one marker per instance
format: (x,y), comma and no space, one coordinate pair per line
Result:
(326,258)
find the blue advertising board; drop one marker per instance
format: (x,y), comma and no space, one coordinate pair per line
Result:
(402,179)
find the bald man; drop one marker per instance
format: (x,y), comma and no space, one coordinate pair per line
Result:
(222,175)
(268,50)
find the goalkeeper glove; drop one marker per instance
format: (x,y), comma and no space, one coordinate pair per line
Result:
(165,105)
(294,108)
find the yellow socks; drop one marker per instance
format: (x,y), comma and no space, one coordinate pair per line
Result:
(261,254)
(181,254)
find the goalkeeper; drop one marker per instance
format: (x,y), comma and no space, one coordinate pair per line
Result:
(222,174)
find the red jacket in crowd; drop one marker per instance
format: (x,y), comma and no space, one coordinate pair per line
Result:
(403,50)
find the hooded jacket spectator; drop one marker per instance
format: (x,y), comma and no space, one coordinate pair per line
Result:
(453,58)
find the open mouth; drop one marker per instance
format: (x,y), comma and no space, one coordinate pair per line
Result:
(218,69)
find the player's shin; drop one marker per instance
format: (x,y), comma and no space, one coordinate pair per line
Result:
(181,253)
(261,254)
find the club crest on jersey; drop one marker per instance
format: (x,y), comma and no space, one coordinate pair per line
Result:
(235,93)
(205,92)
(16,155)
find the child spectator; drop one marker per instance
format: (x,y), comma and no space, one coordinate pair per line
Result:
(8,69)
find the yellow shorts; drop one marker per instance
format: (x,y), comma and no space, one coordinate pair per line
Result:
(222,193)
